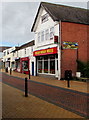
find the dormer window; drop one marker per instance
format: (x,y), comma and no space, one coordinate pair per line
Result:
(44,18)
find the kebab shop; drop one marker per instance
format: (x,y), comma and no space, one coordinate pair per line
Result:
(46,61)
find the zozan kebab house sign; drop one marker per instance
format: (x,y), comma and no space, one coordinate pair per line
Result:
(45,51)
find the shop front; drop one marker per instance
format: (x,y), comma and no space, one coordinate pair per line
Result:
(17,61)
(47,61)
(24,65)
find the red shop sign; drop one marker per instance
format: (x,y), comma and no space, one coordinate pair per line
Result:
(45,51)
(25,59)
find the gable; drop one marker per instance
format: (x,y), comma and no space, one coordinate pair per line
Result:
(43,20)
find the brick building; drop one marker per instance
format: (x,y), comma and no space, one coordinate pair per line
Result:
(68,28)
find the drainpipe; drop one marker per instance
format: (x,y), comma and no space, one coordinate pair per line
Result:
(59,52)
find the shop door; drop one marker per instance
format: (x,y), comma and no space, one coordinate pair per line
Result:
(32,68)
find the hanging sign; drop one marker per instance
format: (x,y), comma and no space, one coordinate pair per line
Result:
(70,45)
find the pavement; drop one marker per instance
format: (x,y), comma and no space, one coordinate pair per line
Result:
(15,105)
(74,85)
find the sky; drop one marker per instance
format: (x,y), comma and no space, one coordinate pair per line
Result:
(18,17)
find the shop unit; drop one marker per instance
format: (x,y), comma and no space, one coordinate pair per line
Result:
(24,58)
(8,58)
(62,29)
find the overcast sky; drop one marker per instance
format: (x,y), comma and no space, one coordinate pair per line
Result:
(18,17)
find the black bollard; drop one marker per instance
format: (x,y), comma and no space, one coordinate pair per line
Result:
(29,74)
(26,88)
(68,83)
(10,71)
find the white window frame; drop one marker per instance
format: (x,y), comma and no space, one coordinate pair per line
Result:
(47,34)
(42,36)
(39,36)
(51,32)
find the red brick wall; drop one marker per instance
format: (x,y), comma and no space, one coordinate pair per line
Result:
(75,33)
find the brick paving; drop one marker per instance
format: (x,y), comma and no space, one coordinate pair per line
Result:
(68,99)
(15,105)
(74,85)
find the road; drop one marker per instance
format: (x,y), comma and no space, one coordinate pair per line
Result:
(71,100)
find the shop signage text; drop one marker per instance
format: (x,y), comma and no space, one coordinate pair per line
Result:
(45,51)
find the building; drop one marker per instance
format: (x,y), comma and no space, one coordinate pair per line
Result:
(24,58)
(1,55)
(60,39)
(20,58)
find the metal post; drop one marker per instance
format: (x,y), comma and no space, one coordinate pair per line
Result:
(26,88)
(68,83)
(29,74)
(10,71)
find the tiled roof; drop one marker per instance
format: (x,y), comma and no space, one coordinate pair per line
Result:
(65,13)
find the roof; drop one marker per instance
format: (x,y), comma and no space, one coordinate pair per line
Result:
(64,13)
(31,43)
(3,48)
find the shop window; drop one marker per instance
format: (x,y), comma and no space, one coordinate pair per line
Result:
(47,34)
(25,66)
(44,18)
(51,33)
(39,66)
(40,58)
(42,36)
(39,37)
(52,66)
(45,66)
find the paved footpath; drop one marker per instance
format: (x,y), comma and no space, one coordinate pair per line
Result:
(15,105)
(68,99)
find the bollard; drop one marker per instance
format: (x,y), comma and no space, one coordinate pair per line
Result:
(29,74)
(68,83)
(68,77)
(10,71)
(26,88)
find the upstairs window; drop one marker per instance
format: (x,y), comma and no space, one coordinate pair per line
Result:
(7,52)
(51,32)
(47,34)
(39,37)
(44,18)
(25,51)
(42,36)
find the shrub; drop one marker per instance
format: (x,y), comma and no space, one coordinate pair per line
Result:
(83,68)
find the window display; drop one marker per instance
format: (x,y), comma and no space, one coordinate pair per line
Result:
(24,65)
(46,64)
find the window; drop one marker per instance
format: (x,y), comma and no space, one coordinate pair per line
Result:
(13,53)
(25,51)
(7,52)
(51,32)
(44,18)
(39,37)
(31,49)
(4,53)
(42,36)
(47,34)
